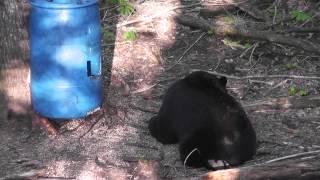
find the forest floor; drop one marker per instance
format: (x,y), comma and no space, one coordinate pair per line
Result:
(114,143)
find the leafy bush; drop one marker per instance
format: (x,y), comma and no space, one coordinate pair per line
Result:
(293,90)
(300,16)
(291,66)
(125,8)
(130,35)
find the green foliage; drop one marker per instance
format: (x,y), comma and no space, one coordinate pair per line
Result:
(130,35)
(231,43)
(302,92)
(114,1)
(229,19)
(247,45)
(300,16)
(234,44)
(291,66)
(293,90)
(210,32)
(108,35)
(125,8)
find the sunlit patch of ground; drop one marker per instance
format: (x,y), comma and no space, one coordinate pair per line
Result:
(139,62)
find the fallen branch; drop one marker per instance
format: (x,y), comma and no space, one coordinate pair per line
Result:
(224,29)
(283,103)
(153,111)
(146,88)
(292,156)
(260,76)
(212,9)
(304,30)
(277,171)
(56,178)
(297,169)
(252,11)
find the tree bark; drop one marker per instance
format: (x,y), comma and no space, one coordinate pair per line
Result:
(14,68)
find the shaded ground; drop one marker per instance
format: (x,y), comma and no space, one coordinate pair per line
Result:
(117,145)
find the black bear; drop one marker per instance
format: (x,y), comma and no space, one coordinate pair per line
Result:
(198,113)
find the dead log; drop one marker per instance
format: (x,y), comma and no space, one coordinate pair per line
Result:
(302,171)
(237,29)
(213,9)
(252,11)
(303,30)
(293,169)
(284,103)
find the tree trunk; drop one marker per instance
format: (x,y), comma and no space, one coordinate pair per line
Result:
(14,68)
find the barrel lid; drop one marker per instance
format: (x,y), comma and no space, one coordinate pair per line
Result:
(62,4)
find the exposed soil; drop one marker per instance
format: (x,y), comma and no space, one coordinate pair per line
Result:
(114,143)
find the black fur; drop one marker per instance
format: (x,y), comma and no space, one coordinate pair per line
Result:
(197,112)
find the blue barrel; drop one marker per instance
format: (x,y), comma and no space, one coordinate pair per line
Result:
(65,57)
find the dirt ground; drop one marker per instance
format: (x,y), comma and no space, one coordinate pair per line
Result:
(114,143)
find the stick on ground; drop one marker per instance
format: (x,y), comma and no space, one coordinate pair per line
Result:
(261,76)
(224,29)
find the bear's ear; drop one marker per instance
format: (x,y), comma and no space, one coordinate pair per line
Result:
(223,81)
